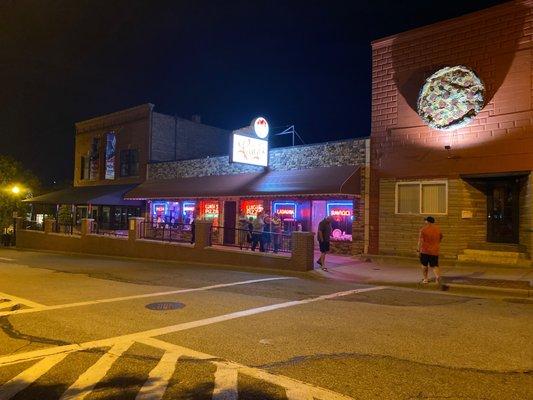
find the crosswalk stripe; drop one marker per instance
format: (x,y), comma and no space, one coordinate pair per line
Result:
(298,389)
(226,381)
(158,378)
(87,381)
(26,302)
(298,394)
(28,376)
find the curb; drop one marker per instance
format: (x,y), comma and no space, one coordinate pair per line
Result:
(455,288)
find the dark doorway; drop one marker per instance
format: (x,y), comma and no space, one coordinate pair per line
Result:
(502,211)
(230,216)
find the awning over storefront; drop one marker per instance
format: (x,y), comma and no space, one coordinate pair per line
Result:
(312,181)
(95,195)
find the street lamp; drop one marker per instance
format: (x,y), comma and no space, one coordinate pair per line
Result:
(15,189)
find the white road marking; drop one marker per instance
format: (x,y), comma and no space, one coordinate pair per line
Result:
(298,394)
(226,382)
(85,384)
(295,387)
(26,302)
(157,382)
(40,307)
(139,336)
(28,376)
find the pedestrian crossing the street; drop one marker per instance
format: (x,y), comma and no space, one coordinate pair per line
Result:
(146,369)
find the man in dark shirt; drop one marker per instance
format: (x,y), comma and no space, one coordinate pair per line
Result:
(323,235)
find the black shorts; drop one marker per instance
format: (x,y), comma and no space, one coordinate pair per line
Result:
(324,247)
(427,259)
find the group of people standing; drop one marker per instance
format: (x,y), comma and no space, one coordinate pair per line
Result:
(265,230)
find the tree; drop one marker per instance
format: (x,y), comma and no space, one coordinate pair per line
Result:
(13,175)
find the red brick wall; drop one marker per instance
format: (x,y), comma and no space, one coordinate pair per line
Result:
(497,44)
(132,129)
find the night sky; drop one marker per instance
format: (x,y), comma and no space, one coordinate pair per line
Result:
(306,63)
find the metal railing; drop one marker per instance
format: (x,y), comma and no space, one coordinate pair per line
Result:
(96,230)
(263,241)
(66,229)
(32,225)
(176,232)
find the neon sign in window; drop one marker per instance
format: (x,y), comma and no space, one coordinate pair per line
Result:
(159,208)
(188,207)
(340,209)
(286,210)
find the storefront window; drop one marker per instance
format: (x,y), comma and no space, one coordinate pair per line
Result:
(209,210)
(188,211)
(295,215)
(342,213)
(167,212)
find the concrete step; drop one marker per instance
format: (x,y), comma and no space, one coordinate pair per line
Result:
(469,259)
(492,253)
(513,247)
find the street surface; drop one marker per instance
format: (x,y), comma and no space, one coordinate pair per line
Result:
(77,327)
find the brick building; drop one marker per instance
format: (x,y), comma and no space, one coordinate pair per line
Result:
(471,171)
(111,156)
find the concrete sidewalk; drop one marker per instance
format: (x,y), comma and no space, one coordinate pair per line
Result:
(503,281)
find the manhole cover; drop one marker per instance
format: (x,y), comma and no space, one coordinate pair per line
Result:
(166,305)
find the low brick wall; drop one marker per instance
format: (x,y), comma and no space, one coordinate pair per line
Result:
(300,260)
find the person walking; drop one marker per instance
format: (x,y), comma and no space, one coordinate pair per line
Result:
(429,247)
(323,236)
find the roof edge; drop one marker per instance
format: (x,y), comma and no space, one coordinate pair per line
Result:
(448,24)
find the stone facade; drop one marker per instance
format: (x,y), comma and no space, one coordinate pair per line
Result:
(175,138)
(345,152)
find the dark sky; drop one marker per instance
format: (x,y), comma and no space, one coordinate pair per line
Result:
(305,63)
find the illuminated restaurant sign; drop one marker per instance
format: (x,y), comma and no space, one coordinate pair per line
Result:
(249,145)
(248,150)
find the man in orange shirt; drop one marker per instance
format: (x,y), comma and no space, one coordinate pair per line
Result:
(428,247)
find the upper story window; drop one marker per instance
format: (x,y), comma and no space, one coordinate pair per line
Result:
(129,162)
(84,168)
(422,197)
(111,141)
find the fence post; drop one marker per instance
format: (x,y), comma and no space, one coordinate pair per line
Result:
(134,228)
(202,234)
(49,225)
(86,226)
(303,251)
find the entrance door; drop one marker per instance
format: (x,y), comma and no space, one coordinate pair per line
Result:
(502,212)
(230,216)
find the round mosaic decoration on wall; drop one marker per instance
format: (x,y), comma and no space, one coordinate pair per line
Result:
(451,98)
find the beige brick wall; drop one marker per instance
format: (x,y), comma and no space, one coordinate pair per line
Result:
(398,233)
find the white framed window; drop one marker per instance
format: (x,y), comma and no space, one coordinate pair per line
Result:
(422,197)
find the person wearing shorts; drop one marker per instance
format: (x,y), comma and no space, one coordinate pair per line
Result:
(429,247)
(323,235)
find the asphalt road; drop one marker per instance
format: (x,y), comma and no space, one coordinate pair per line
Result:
(76,327)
